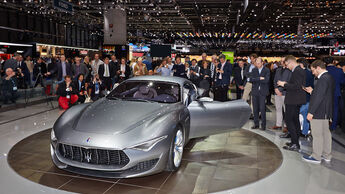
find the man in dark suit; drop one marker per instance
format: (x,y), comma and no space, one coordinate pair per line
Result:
(123,71)
(67,93)
(260,88)
(294,99)
(213,68)
(338,77)
(114,62)
(11,63)
(23,68)
(62,68)
(239,78)
(223,73)
(81,88)
(320,112)
(106,71)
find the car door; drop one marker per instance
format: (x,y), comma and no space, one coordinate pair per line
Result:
(209,117)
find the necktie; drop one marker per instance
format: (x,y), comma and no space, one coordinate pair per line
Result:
(212,70)
(242,73)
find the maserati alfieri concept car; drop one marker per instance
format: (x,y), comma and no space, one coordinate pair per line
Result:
(140,128)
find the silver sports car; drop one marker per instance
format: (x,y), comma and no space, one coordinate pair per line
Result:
(140,128)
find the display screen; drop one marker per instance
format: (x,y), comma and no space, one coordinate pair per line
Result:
(160,50)
(229,55)
(339,52)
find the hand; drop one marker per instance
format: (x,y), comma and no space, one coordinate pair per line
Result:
(85,93)
(80,93)
(278,92)
(241,87)
(262,78)
(70,88)
(310,117)
(281,83)
(48,73)
(308,89)
(207,76)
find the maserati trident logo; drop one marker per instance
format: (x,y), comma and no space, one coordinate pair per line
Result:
(88,156)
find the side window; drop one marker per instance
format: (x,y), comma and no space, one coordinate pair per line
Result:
(189,93)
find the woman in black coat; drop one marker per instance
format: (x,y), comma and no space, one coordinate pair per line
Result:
(205,76)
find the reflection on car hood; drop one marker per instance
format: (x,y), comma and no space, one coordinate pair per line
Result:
(117,116)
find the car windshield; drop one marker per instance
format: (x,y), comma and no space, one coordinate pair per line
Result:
(151,91)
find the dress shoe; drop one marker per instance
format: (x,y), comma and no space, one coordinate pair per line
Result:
(305,136)
(285,130)
(292,147)
(285,135)
(288,143)
(276,127)
(263,128)
(255,127)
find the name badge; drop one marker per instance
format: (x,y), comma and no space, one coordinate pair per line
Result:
(15,88)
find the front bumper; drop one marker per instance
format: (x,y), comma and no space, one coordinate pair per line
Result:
(140,163)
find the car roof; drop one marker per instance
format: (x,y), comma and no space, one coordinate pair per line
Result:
(173,79)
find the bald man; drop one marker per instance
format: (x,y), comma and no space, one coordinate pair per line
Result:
(9,86)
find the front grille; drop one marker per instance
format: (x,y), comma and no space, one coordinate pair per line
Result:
(93,156)
(144,166)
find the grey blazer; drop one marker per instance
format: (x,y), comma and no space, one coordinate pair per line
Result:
(83,69)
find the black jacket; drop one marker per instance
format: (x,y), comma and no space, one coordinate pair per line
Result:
(295,95)
(62,89)
(127,71)
(247,74)
(82,88)
(237,76)
(39,68)
(262,84)
(93,90)
(282,74)
(321,99)
(58,70)
(7,85)
(112,70)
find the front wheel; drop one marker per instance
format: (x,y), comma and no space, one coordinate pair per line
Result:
(176,151)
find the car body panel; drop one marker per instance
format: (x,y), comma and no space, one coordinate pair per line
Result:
(208,118)
(115,124)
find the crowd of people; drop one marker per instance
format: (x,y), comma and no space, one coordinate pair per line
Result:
(314,92)
(92,79)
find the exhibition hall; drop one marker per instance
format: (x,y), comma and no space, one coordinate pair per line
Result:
(172,96)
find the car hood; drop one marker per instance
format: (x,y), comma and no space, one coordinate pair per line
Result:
(117,116)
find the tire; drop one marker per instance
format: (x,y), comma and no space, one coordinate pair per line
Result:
(175,155)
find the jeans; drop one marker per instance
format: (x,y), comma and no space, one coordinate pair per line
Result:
(304,111)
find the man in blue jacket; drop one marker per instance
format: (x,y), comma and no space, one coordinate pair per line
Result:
(338,77)
(223,74)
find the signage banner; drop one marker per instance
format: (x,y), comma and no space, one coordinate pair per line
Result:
(63,6)
(229,55)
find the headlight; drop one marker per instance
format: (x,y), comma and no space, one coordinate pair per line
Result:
(52,135)
(148,145)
